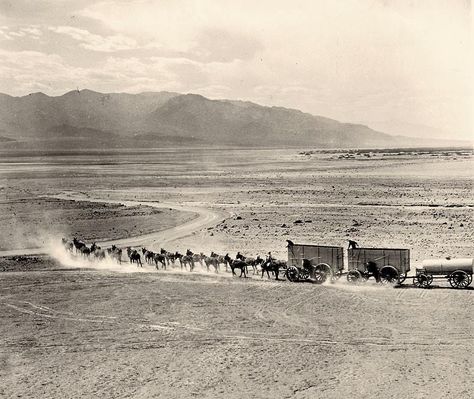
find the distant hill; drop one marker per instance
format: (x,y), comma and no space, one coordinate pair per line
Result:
(399,128)
(90,119)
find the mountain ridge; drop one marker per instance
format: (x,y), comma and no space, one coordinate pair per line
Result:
(152,119)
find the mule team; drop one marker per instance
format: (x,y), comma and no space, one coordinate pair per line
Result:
(187,261)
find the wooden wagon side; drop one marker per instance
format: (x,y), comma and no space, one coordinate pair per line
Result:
(317,262)
(391,263)
(316,254)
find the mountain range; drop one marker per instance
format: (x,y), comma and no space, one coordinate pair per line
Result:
(88,119)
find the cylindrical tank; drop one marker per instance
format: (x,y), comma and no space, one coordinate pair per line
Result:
(447,266)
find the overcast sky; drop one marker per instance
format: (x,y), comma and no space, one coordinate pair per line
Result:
(381,62)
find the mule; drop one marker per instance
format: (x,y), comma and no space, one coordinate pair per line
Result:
(99,253)
(254,262)
(148,255)
(188,259)
(179,257)
(185,260)
(198,258)
(220,259)
(169,257)
(136,258)
(85,251)
(160,258)
(78,245)
(272,266)
(211,261)
(115,253)
(237,264)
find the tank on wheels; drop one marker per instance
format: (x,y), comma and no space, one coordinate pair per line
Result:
(316,263)
(386,265)
(457,271)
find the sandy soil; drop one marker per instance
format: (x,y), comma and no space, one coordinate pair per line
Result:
(68,330)
(422,203)
(90,333)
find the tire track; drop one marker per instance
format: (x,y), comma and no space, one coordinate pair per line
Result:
(226,335)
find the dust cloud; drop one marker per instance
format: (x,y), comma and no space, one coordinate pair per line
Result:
(71,259)
(76,260)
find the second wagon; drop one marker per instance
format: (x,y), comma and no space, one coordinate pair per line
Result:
(386,265)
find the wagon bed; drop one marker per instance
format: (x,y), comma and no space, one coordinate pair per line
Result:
(314,262)
(391,263)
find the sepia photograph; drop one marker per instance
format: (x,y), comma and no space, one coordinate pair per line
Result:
(236,199)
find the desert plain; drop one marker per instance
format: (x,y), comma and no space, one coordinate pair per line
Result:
(71,328)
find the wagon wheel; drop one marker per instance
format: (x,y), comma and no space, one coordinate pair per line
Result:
(319,277)
(423,280)
(337,275)
(459,279)
(389,275)
(402,277)
(292,274)
(321,273)
(354,276)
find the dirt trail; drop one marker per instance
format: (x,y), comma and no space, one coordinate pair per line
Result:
(204,218)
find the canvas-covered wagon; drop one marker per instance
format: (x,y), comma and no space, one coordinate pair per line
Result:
(314,262)
(386,265)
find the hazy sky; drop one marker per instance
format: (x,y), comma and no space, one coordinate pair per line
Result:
(382,62)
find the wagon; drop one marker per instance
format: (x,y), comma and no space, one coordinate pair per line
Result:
(314,263)
(457,271)
(386,265)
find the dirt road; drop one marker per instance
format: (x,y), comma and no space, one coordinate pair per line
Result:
(205,217)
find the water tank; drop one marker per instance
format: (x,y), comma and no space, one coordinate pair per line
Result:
(447,266)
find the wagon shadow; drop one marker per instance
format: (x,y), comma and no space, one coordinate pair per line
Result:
(431,287)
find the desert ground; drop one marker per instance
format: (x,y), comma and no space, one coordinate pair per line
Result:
(71,328)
